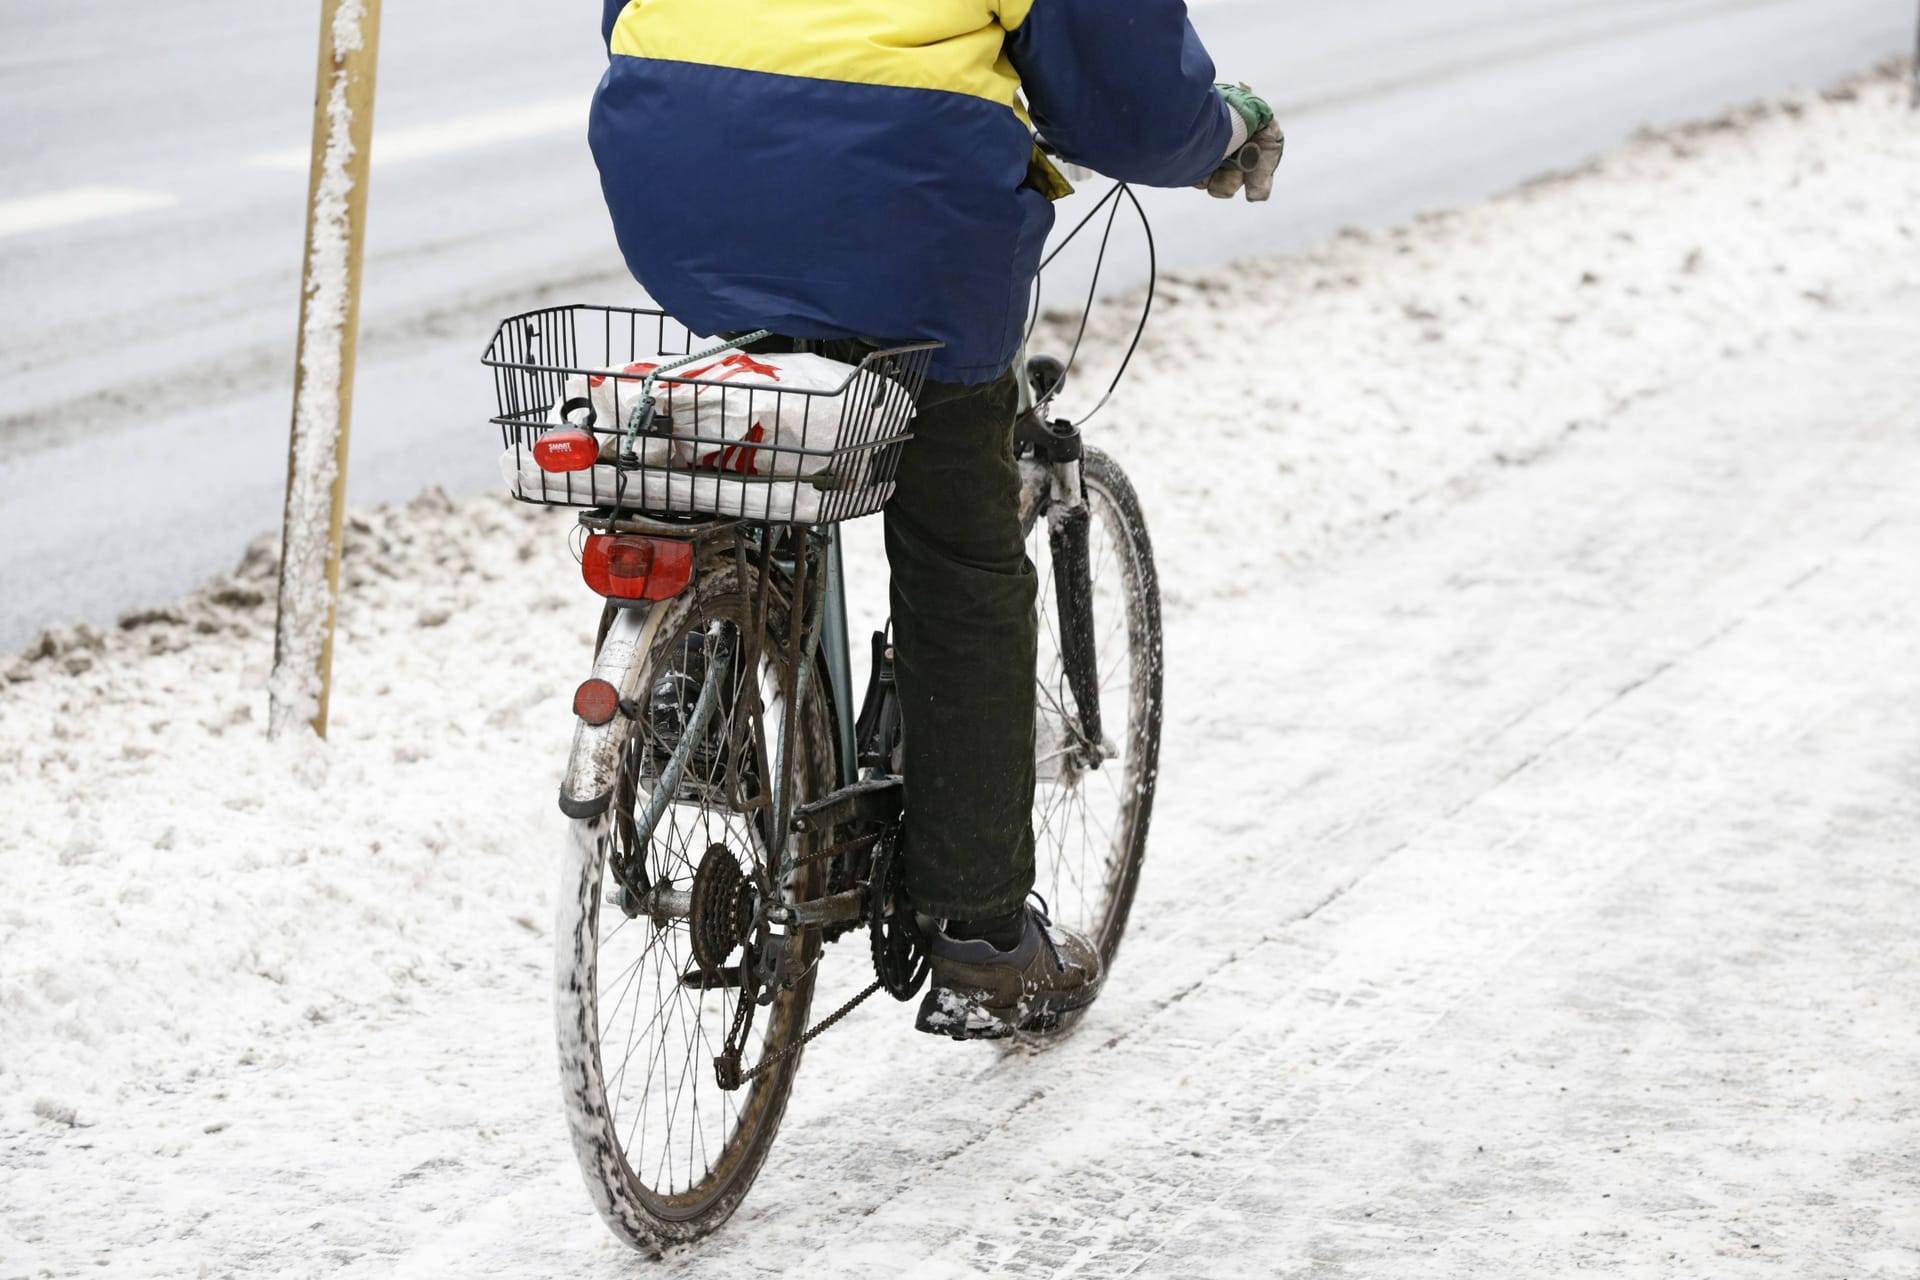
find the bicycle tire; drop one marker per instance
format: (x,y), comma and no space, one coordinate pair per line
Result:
(1097,897)
(624,1175)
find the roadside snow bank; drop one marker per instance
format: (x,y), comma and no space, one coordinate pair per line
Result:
(183,907)
(180,896)
(1277,402)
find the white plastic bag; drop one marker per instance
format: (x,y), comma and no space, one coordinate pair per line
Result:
(745,426)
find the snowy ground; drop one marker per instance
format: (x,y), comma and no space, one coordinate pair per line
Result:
(1531,889)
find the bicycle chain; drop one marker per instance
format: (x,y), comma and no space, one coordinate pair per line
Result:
(819,1029)
(858,844)
(726,1067)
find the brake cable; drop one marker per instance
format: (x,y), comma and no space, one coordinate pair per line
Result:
(1112,198)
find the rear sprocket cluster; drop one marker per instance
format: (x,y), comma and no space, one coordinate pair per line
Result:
(720,918)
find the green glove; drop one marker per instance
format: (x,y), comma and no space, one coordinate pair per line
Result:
(1256,153)
(1250,106)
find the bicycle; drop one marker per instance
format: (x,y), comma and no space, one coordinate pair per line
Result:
(733,814)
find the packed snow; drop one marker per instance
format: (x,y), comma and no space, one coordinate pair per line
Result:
(1530,888)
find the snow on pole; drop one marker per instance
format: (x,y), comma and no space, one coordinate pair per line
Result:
(323,384)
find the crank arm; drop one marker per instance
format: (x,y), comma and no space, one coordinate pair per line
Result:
(862,806)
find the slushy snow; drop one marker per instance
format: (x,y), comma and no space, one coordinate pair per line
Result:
(1530,889)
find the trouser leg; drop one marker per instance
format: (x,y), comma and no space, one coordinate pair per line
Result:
(965,646)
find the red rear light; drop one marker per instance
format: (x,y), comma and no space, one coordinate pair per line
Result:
(596,702)
(566,451)
(631,568)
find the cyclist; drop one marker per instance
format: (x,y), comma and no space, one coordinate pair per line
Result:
(854,170)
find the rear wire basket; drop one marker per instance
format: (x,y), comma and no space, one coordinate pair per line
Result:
(828,455)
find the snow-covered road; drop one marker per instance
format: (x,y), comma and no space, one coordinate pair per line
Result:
(150,220)
(1531,886)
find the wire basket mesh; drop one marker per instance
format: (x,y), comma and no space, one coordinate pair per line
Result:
(783,438)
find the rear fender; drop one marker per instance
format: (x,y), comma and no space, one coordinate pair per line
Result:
(588,788)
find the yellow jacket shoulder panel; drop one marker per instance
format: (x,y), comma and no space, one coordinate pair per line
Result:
(952,46)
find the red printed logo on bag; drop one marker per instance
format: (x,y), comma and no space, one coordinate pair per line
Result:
(741,459)
(736,365)
(639,371)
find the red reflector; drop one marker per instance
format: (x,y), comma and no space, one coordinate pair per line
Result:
(566,451)
(632,568)
(596,702)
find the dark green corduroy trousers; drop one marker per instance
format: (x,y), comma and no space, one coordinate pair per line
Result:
(965,643)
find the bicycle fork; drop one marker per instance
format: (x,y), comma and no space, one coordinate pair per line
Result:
(1054,470)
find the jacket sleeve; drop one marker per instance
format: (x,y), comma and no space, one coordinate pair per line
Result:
(1123,87)
(614,8)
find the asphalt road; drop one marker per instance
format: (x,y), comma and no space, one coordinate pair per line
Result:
(154,180)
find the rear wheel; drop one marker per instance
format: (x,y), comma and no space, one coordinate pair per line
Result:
(1094,798)
(656,930)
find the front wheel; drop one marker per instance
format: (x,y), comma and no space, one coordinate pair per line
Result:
(1096,772)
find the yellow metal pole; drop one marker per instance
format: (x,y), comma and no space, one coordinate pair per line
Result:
(323,384)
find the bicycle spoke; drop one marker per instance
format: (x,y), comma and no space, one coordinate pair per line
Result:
(1086,837)
(659,1104)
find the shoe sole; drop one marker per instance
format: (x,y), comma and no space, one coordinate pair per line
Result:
(959,1017)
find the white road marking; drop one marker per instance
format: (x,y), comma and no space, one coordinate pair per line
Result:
(76,204)
(462,133)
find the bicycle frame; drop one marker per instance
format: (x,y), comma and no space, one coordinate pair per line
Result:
(708,704)
(628,635)
(837,643)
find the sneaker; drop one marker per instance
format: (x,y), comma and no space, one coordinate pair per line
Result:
(981,993)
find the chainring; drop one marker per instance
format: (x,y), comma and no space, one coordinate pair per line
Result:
(900,959)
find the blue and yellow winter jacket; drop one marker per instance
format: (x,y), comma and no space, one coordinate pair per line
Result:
(848,168)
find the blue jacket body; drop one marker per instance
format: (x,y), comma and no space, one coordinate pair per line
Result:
(862,168)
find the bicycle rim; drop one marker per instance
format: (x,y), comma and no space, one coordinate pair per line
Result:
(667,1154)
(1092,808)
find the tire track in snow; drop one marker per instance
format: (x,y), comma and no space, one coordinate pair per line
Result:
(1456,848)
(1398,954)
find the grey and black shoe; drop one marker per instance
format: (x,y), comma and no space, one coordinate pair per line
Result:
(979,992)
